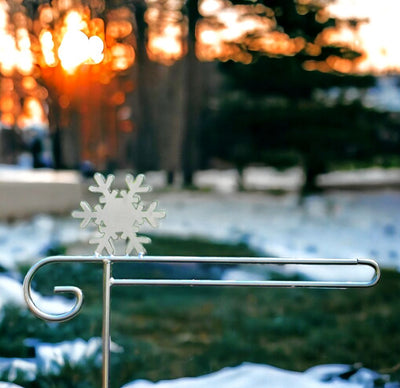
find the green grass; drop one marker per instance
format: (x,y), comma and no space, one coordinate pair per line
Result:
(173,332)
(383,161)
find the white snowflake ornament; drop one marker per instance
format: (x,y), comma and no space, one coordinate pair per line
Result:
(119,214)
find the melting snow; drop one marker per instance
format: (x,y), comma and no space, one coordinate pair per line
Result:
(9,385)
(51,358)
(11,292)
(250,375)
(336,225)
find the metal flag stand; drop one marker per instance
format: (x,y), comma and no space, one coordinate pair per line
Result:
(123,213)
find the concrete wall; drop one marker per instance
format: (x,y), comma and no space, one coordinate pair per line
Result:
(24,193)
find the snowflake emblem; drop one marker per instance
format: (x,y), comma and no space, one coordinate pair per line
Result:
(119,214)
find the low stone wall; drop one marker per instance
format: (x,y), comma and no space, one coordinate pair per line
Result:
(363,179)
(24,193)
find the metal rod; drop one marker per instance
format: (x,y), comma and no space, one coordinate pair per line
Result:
(238,260)
(200,259)
(255,283)
(239,283)
(106,322)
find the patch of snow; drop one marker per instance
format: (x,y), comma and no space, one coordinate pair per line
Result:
(368,177)
(335,225)
(332,225)
(51,358)
(338,372)
(240,274)
(11,368)
(21,175)
(156,179)
(268,178)
(385,96)
(250,375)
(224,181)
(9,385)
(254,178)
(11,292)
(25,242)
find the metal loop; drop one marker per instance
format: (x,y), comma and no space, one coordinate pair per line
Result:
(76,291)
(377,272)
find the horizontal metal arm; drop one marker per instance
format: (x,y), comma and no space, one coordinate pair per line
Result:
(27,286)
(252,283)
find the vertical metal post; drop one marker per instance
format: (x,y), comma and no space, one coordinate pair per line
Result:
(106,322)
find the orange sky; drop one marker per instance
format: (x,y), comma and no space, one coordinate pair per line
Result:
(379,36)
(376,37)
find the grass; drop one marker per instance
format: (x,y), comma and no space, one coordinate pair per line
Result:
(173,332)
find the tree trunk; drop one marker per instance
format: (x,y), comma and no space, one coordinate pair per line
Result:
(145,157)
(160,116)
(312,168)
(194,88)
(169,116)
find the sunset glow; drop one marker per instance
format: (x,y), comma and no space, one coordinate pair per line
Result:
(68,36)
(231,31)
(55,46)
(228,31)
(77,39)
(378,36)
(75,47)
(33,114)
(15,46)
(167,31)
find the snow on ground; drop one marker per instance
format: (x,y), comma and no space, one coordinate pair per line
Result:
(51,358)
(218,180)
(27,241)
(11,368)
(334,225)
(360,178)
(15,174)
(268,178)
(254,178)
(346,224)
(289,180)
(250,375)
(385,96)
(9,385)
(11,293)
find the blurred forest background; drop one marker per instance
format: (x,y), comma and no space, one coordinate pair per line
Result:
(181,86)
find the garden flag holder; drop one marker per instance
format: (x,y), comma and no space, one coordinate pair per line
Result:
(119,214)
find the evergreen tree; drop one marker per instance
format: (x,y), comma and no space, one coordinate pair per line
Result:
(268,111)
(269,73)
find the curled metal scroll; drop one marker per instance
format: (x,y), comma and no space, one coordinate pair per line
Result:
(27,287)
(76,291)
